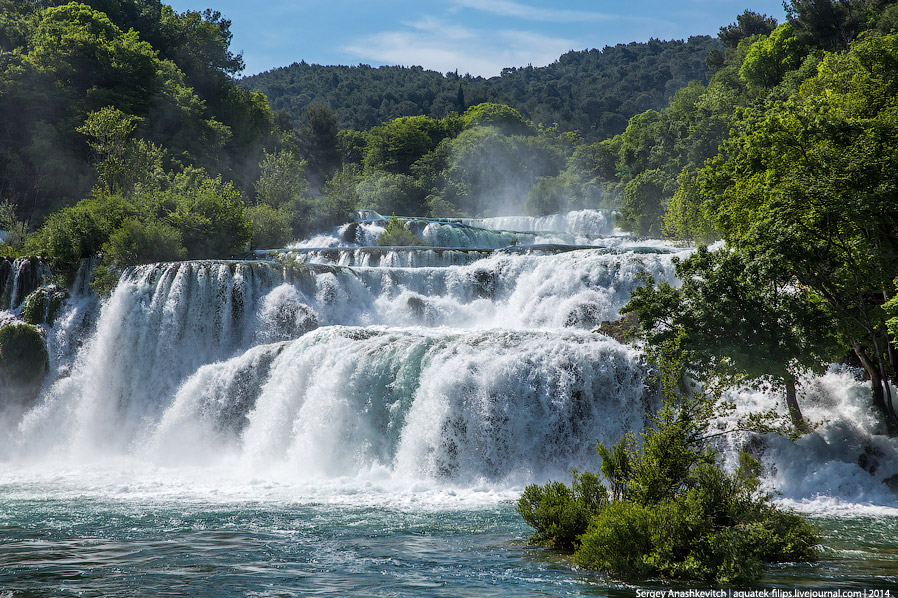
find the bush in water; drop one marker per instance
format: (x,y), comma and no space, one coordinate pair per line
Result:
(41,306)
(673,511)
(397,234)
(560,513)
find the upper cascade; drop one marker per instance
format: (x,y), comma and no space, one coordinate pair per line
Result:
(583,227)
(594,223)
(19,278)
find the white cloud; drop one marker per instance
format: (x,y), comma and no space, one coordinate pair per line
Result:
(445,48)
(523,11)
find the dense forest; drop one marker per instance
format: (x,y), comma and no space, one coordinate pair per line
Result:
(593,92)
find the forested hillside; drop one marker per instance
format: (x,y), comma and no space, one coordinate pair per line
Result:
(594,92)
(170,73)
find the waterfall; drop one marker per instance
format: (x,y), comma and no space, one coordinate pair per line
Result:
(19,278)
(469,362)
(596,223)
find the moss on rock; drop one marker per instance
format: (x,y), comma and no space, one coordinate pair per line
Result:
(23,356)
(42,306)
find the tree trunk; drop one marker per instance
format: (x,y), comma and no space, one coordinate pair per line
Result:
(879,397)
(792,404)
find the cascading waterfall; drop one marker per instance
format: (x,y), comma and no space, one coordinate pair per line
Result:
(454,406)
(597,223)
(171,327)
(447,364)
(18,278)
(335,414)
(393,257)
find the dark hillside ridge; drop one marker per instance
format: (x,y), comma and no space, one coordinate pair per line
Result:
(592,91)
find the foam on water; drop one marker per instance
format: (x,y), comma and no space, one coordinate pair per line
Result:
(842,468)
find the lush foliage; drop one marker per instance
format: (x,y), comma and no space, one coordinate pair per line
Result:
(397,234)
(193,216)
(76,80)
(734,315)
(559,513)
(808,182)
(666,508)
(801,185)
(593,92)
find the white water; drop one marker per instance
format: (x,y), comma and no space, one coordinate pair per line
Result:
(422,377)
(597,223)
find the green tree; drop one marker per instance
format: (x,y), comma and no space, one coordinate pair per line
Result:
(341,198)
(810,180)
(392,193)
(142,242)
(832,24)
(14,231)
(747,25)
(318,142)
(282,179)
(666,507)
(684,219)
(211,215)
(272,229)
(109,129)
(638,143)
(771,57)
(646,197)
(78,232)
(739,316)
(398,144)
(505,118)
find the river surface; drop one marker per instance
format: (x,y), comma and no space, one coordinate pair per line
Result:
(338,419)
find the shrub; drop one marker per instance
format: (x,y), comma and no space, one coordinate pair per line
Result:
(67,237)
(143,242)
(674,512)
(211,215)
(271,228)
(560,514)
(41,306)
(397,234)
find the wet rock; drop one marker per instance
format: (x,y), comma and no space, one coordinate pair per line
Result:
(485,284)
(584,315)
(6,280)
(869,459)
(891,483)
(620,330)
(351,232)
(756,446)
(42,306)
(24,362)
(417,306)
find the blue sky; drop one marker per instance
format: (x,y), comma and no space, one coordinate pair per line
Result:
(479,37)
